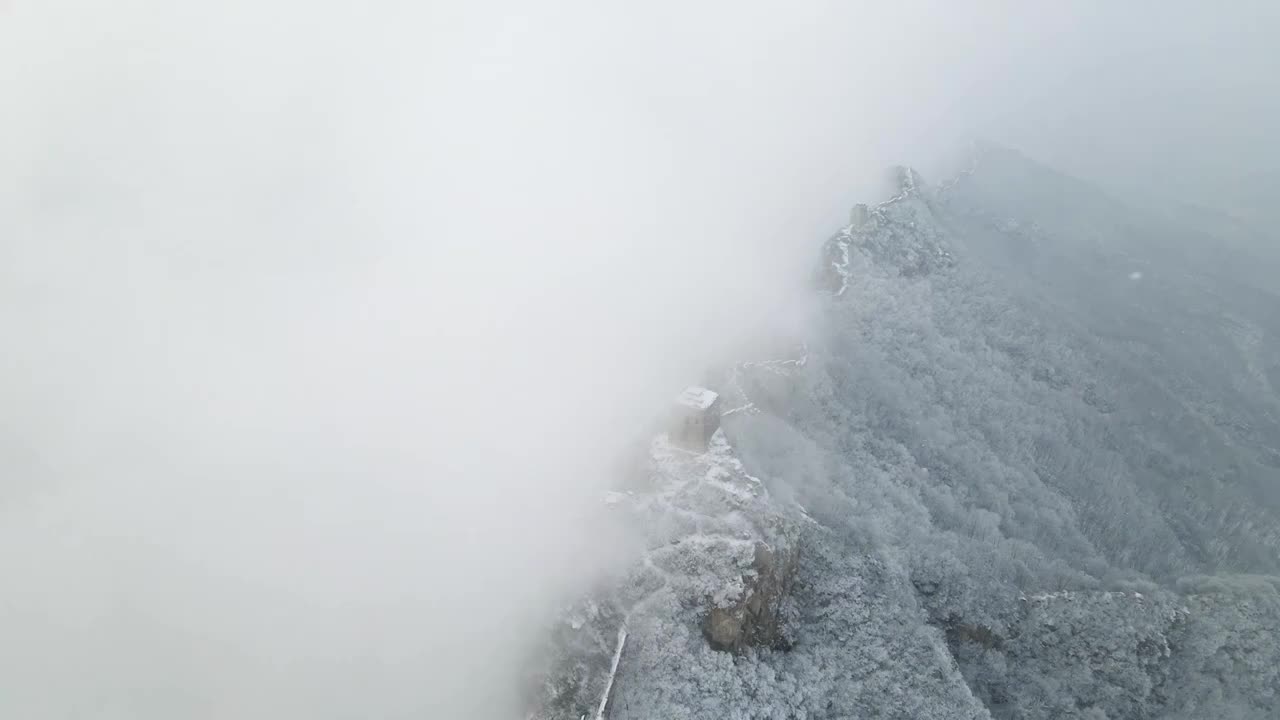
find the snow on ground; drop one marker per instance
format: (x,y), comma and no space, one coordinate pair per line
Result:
(698,398)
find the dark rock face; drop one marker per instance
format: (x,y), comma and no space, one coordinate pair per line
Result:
(756,619)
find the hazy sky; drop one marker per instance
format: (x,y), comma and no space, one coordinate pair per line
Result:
(323,321)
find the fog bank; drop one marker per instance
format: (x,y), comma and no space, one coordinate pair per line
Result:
(324,322)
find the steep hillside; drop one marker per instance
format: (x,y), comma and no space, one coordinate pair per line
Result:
(1028,467)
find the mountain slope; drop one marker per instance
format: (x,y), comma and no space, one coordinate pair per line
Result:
(1030,458)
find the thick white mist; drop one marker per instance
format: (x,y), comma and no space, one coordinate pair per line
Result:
(323,322)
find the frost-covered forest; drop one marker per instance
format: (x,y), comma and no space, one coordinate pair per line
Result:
(1028,466)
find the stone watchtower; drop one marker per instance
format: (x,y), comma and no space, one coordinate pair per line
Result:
(858,216)
(695,418)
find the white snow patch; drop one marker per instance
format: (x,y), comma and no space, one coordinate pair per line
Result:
(743,408)
(730,489)
(698,398)
(613,673)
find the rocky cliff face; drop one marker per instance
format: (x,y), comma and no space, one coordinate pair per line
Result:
(756,619)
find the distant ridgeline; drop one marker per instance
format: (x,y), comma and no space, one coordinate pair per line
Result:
(1028,467)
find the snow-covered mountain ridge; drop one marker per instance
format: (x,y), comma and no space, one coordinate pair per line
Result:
(1009,479)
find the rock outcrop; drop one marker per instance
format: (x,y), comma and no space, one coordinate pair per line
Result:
(756,619)
(716,552)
